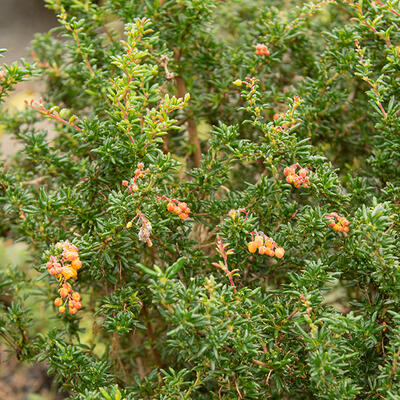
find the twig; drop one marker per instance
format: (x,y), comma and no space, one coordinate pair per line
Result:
(38,106)
(366,79)
(224,266)
(363,20)
(237,388)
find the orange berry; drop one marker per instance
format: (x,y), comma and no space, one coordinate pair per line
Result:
(336,227)
(259,240)
(262,250)
(61,309)
(78,305)
(183,216)
(268,243)
(287,171)
(72,310)
(276,117)
(186,210)
(279,252)
(69,273)
(63,292)
(177,211)
(346,229)
(67,286)
(270,252)
(252,246)
(171,206)
(76,296)
(70,247)
(140,165)
(70,255)
(303,172)
(58,302)
(125,183)
(182,206)
(305,185)
(76,264)
(289,179)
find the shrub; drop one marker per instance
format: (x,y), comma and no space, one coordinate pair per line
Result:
(216,212)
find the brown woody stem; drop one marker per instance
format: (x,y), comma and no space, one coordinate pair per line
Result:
(192,128)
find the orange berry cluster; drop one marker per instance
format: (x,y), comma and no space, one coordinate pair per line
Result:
(264,245)
(140,172)
(338,223)
(177,207)
(262,50)
(298,179)
(64,266)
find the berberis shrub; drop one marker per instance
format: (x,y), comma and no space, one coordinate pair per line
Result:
(212,207)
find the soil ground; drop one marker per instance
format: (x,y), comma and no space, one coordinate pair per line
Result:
(22,382)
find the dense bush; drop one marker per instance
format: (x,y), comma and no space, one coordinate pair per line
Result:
(227,176)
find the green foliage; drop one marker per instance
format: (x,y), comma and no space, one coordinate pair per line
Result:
(176,307)
(120,309)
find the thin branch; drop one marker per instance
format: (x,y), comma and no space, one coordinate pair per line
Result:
(38,106)
(192,128)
